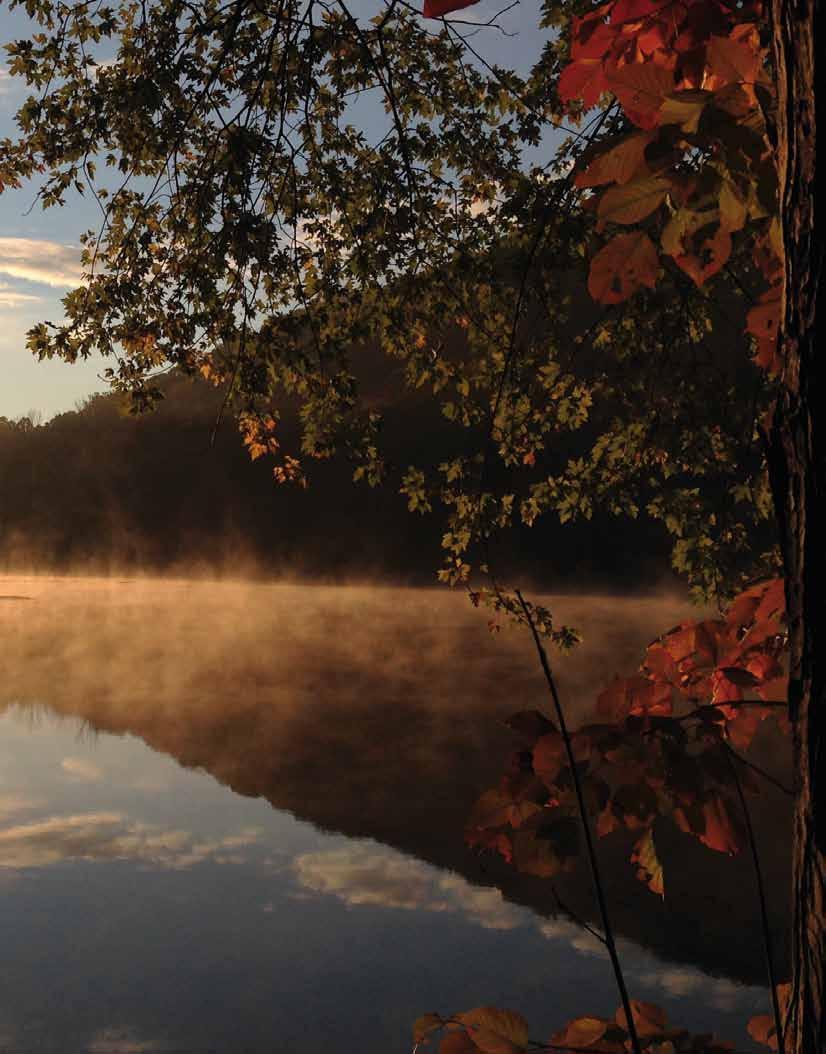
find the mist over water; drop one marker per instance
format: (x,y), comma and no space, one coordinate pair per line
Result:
(297,762)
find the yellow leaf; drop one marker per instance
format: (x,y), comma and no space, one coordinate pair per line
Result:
(632,201)
(650,870)
(619,164)
(684,108)
(681,226)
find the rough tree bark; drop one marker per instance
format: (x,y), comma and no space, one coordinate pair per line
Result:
(797,458)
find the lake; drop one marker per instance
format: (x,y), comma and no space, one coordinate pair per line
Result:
(231,820)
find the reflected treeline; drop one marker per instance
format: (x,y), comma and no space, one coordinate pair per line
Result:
(96,489)
(376,713)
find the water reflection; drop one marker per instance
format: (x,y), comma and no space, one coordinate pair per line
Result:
(156,910)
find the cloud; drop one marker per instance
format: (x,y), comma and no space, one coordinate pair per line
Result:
(37,260)
(11,804)
(680,982)
(358,875)
(111,836)
(9,297)
(81,770)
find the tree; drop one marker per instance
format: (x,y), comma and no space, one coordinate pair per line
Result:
(258,237)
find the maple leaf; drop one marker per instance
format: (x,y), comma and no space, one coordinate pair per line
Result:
(622,266)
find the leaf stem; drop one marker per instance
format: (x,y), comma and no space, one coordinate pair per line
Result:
(607,929)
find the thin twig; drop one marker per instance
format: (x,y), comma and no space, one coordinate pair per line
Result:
(610,943)
(761,896)
(563,907)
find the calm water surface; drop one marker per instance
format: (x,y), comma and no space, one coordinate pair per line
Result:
(230,821)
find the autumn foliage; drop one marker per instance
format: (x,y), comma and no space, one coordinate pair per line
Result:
(659,746)
(695,171)
(494,1031)
(663,745)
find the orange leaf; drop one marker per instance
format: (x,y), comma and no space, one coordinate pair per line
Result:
(649,1019)
(458,1042)
(496,1031)
(762,1030)
(719,831)
(583,1032)
(731,62)
(622,266)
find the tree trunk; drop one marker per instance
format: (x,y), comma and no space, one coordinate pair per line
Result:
(797,459)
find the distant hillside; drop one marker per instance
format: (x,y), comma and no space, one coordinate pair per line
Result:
(98,490)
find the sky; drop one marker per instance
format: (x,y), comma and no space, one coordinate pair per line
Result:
(40,251)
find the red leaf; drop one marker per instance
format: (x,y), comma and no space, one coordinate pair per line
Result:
(439,8)
(641,88)
(583,80)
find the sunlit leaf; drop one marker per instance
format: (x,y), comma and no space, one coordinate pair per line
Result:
(650,870)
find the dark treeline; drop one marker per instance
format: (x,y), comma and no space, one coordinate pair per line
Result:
(97,489)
